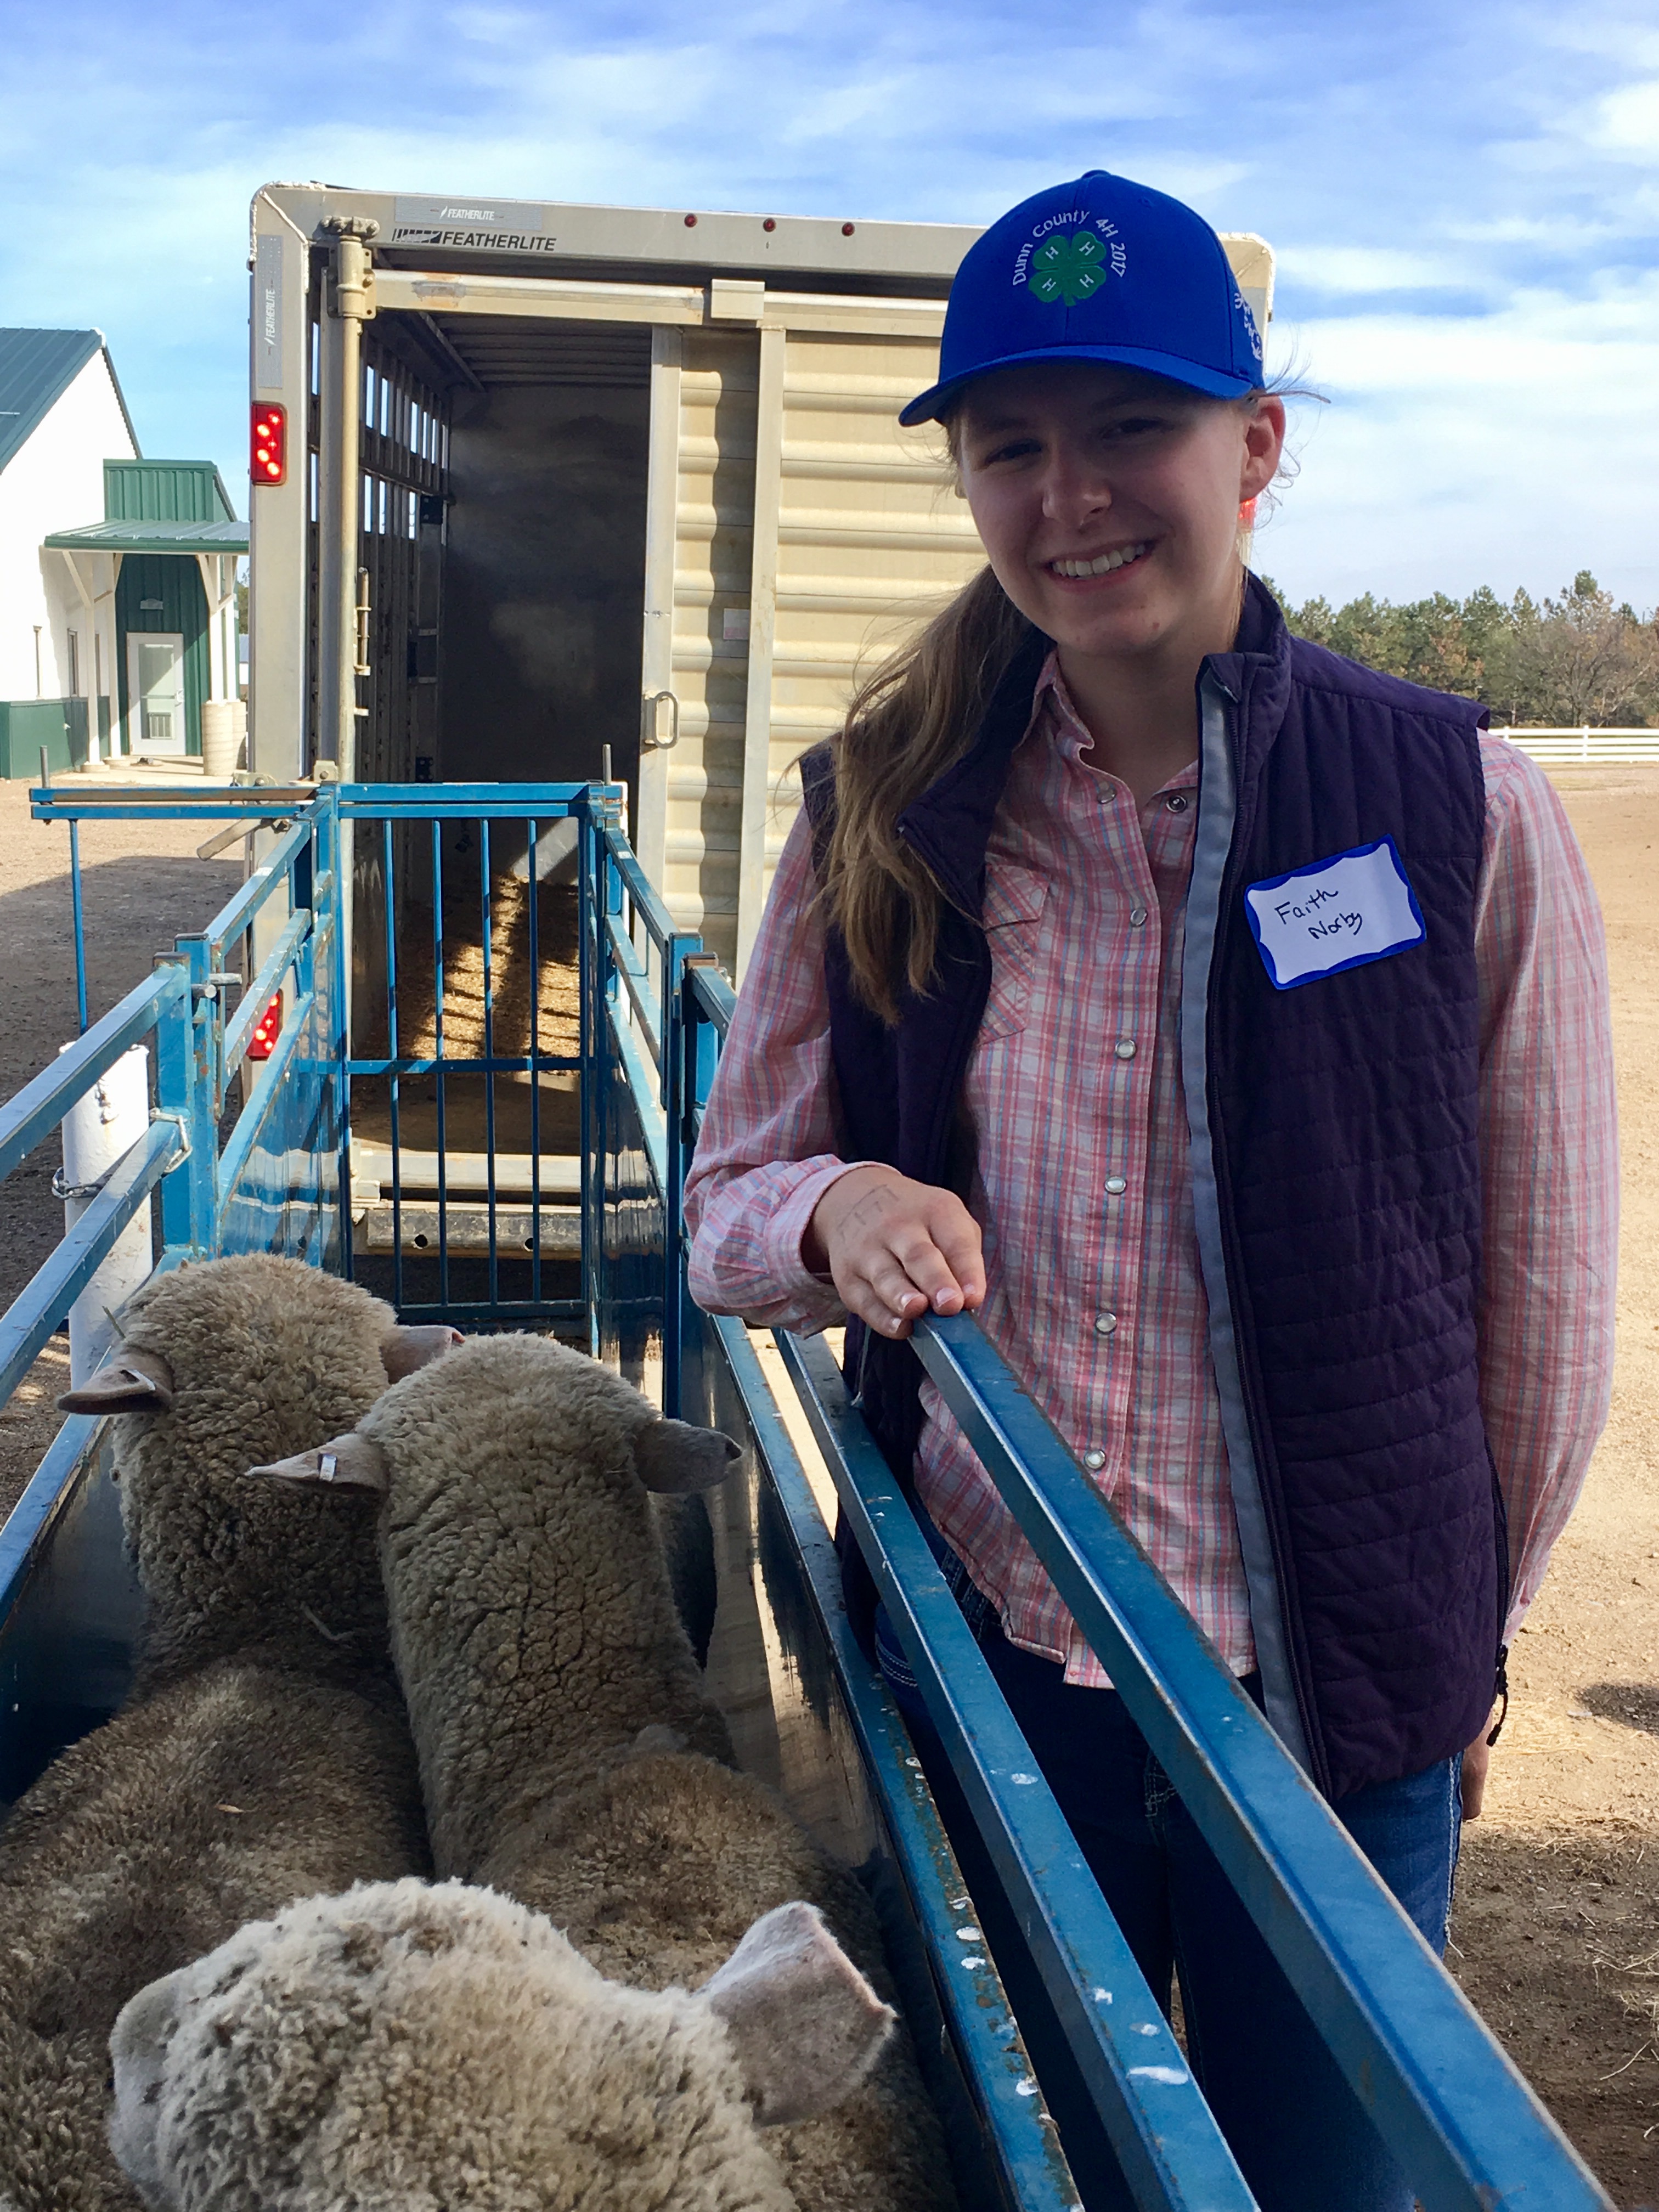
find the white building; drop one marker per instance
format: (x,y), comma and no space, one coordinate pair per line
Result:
(113,631)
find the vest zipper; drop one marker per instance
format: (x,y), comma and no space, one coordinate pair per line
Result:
(1212,840)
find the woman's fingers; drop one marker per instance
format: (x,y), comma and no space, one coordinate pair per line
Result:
(896,1248)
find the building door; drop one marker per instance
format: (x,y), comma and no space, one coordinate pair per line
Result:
(156,689)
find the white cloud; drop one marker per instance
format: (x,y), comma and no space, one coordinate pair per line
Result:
(1628,122)
(1371,269)
(1511,448)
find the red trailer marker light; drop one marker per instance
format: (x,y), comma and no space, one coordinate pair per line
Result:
(268,457)
(266,1030)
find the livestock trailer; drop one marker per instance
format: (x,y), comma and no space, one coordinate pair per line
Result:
(1016,1957)
(530,480)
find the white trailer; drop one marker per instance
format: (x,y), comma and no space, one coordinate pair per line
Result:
(532,481)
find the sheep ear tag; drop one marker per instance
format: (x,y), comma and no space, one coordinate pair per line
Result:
(127,1383)
(675,1459)
(347,1462)
(806,2025)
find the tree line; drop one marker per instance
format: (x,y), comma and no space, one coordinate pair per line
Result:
(1568,660)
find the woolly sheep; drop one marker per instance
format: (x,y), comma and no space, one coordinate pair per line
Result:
(419,2047)
(264,1754)
(568,1756)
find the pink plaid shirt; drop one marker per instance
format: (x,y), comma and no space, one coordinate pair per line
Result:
(1093,1292)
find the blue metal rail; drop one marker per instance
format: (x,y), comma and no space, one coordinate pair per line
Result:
(347,904)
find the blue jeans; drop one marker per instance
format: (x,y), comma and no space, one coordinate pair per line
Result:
(1295,2127)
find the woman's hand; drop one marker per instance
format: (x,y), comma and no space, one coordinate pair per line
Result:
(894,1248)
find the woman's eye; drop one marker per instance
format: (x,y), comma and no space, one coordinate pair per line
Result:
(1136,426)
(1013,449)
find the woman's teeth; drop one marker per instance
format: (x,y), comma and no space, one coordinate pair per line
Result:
(1102,565)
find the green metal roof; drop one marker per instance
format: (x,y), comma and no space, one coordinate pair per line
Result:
(153,537)
(36,368)
(164,491)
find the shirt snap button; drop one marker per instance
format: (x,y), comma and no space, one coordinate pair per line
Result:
(1125,1047)
(1104,1324)
(1094,1460)
(1137,915)
(1176,802)
(1116,1185)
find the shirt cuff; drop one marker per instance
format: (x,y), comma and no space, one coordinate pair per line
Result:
(809,1303)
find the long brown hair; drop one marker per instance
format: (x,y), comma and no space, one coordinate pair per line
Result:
(908,722)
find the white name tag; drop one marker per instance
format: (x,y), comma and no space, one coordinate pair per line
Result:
(1336,914)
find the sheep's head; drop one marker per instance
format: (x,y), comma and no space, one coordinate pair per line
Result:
(409,2043)
(671,1458)
(139,1379)
(238,1359)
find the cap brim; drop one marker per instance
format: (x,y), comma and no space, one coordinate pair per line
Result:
(1169,365)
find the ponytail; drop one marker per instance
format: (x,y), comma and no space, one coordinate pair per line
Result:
(909,722)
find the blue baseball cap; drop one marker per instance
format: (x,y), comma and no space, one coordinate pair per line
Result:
(1101,270)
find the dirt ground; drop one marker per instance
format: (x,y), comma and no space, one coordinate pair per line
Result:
(1556,1932)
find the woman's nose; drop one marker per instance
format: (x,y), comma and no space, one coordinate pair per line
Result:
(1074,492)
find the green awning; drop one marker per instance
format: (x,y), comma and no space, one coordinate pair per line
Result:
(185,538)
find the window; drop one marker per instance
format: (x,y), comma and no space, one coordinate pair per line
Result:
(74,664)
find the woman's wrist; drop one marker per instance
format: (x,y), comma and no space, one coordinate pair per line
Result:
(842,1195)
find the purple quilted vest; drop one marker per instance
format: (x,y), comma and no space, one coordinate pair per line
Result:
(1335,1177)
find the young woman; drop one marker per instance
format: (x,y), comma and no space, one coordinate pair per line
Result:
(1226,1025)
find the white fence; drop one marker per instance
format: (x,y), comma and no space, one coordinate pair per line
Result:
(1554,746)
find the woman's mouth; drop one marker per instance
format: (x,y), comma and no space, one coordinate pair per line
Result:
(1075,570)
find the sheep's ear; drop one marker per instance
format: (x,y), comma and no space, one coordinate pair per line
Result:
(127,1383)
(675,1458)
(348,1462)
(402,1350)
(138,2048)
(806,2024)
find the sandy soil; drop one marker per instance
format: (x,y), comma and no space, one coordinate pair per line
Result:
(1557,1925)
(1556,1934)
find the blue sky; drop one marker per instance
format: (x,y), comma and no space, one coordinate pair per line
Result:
(1464,200)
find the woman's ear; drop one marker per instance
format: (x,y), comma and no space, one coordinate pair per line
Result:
(1264,446)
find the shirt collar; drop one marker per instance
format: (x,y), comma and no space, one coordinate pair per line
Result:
(1053,715)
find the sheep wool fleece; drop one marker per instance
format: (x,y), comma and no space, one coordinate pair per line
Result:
(455,2051)
(234,1781)
(568,1752)
(267,1357)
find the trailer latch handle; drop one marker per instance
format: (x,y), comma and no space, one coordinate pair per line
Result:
(649,741)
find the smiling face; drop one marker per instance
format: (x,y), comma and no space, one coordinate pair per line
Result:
(1109,500)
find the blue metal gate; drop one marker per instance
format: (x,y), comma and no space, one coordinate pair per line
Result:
(585,1237)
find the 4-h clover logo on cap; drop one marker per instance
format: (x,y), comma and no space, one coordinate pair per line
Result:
(1068,266)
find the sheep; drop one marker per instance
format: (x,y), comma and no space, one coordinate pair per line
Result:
(215,1361)
(568,1756)
(423,2046)
(263,1754)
